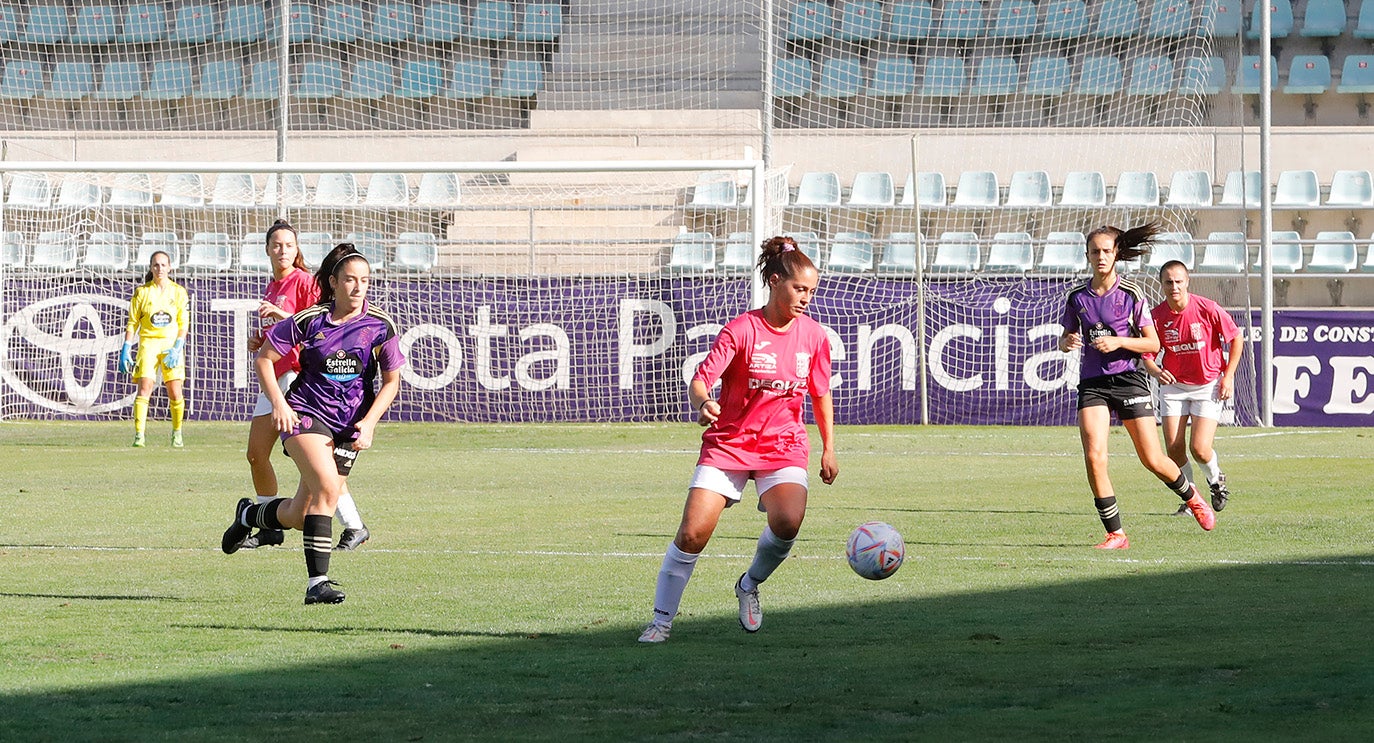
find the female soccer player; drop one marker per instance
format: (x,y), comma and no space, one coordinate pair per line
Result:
(292,288)
(766,361)
(159,317)
(330,413)
(1110,312)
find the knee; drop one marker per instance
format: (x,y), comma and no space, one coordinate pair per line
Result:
(1200,454)
(258,455)
(1096,458)
(691,541)
(787,527)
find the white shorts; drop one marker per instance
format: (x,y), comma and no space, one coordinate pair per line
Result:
(264,405)
(1197,400)
(730,483)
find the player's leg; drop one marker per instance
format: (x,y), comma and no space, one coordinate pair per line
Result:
(141,398)
(354,531)
(1205,417)
(176,407)
(700,515)
(321,483)
(262,437)
(1094,425)
(1142,432)
(782,496)
(1176,445)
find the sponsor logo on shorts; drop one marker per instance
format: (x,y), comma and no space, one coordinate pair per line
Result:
(1146,401)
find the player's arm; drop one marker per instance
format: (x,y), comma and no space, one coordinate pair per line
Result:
(391,385)
(699,397)
(708,371)
(1071,339)
(283,417)
(823,407)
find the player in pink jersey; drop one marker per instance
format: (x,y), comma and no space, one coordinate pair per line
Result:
(767,361)
(292,289)
(1195,379)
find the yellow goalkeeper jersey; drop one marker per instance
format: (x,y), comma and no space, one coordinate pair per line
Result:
(156,313)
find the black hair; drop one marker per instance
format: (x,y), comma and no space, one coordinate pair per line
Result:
(1173,264)
(780,256)
(331,265)
(148,274)
(282,224)
(1130,244)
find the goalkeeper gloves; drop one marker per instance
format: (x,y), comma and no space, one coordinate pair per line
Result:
(173,356)
(126,358)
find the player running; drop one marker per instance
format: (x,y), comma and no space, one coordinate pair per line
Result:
(330,413)
(1193,383)
(767,360)
(1105,316)
(159,316)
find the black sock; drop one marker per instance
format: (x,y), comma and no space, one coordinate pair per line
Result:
(1107,511)
(318,544)
(264,515)
(1181,487)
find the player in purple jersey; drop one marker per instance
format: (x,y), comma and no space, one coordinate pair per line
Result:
(329,413)
(1109,319)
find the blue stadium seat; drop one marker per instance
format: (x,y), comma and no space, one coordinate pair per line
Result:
(209,251)
(336,189)
(1203,76)
(342,23)
(1285,252)
(1171,246)
(1323,19)
(243,23)
(1083,188)
(302,22)
(416,251)
(321,78)
(977,188)
(1117,19)
(520,78)
(1136,188)
(738,257)
(841,78)
(1224,19)
(957,252)
(960,19)
(944,77)
(492,21)
(928,187)
(1190,188)
(893,76)
(194,24)
(471,80)
(540,22)
(715,189)
(1015,20)
(809,244)
(1248,76)
(908,21)
(900,255)
(9,26)
(1170,19)
(1364,24)
(95,24)
(1099,76)
(818,189)
(1065,19)
(872,188)
(168,80)
(1357,74)
(1351,188)
(220,80)
(792,78)
(860,20)
(392,22)
(421,78)
(372,246)
(1010,253)
(264,83)
(1226,253)
(1030,188)
(692,252)
(371,79)
(29,190)
(120,81)
(440,21)
(71,81)
(1297,188)
(1065,252)
(1308,74)
(1281,19)
(54,249)
(79,191)
(439,189)
(1334,252)
(107,251)
(1047,76)
(996,76)
(143,23)
(850,252)
(1242,189)
(1151,76)
(235,190)
(47,24)
(809,21)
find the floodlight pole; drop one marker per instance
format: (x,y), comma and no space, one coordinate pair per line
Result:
(922,381)
(766,120)
(1266,220)
(283,97)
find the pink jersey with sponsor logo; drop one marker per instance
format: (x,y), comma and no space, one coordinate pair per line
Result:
(765,376)
(293,292)
(1192,340)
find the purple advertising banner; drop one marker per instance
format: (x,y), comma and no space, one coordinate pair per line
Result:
(1323,367)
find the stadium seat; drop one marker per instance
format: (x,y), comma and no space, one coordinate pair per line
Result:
(1351,188)
(9,31)
(153,242)
(194,23)
(1065,252)
(1015,21)
(1170,19)
(1308,74)
(1084,188)
(1221,19)
(960,19)
(416,252)
(387,190)
(1323,19)
(977,188)
(29,191)
(342,23)
(1368,265)
(1334,252)
(253,253)
(1136,188)
(1048,76)
(440,21)
(169,80)
(1171,246)
(692,252)
(872,189)
(221,80)
(46,24)
(809,244)
(715,189)
(1285,252)
(1030,188)
(818,189)
(438,189)
(471,80)
(851,252)
(370,79)
(1242,189)
(1357,73)
(320,78)
(95,24)
(792,78)
(264,82)
(1117,19)
(738,257)
(315,246)
(520,78)
(809,21)
(1099,76)
(996,76)
(944,77)
(336,189)
(899,256)
(79,192)
(23,80)
(1190,188)
(1011,253)
(956,252)
(371,245)
(183,189)
(234,190)
(859,20)
(1297,188)
(209,251)
(54,249)
(540,22)
(931,190)
(909,21)
(131,190)
(143,23)
(1364,23)
(106,251)
(1065,19)
(392,22)
(12,249)
(243,23)
(71,80)
(421,78)
(892,77)
(492,21)
(1280,20)
(302,22)
(1248,76)
(1151,76)
(1225,253)
(841,77)
(1203,76)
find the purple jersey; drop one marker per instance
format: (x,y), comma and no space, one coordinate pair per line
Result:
(339,362)
(1122,311)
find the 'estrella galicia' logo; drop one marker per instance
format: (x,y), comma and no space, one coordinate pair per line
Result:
(342,366)
(58,353)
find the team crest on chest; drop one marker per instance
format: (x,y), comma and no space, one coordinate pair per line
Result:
(803,364)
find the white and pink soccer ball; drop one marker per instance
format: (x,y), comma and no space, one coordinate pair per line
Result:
(875,550)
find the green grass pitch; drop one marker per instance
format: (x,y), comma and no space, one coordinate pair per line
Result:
(511,568)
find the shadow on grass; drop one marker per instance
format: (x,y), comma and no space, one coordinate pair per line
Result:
(87,597)
(362,631)
(1275,651)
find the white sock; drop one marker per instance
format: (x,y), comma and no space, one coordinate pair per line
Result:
(347,511)
(672,581)
(768,555)
(316,581)
(266,498)
(1213,469)
(1187,470)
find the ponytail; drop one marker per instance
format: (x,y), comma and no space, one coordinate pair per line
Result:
(1132,243)
(331,265)
(779,256)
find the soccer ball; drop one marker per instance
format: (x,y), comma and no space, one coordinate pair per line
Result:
(875,550)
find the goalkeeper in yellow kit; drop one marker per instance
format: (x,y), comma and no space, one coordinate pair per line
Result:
(158,318)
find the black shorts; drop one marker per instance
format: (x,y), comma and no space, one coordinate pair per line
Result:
(1127,394)
(344,456)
